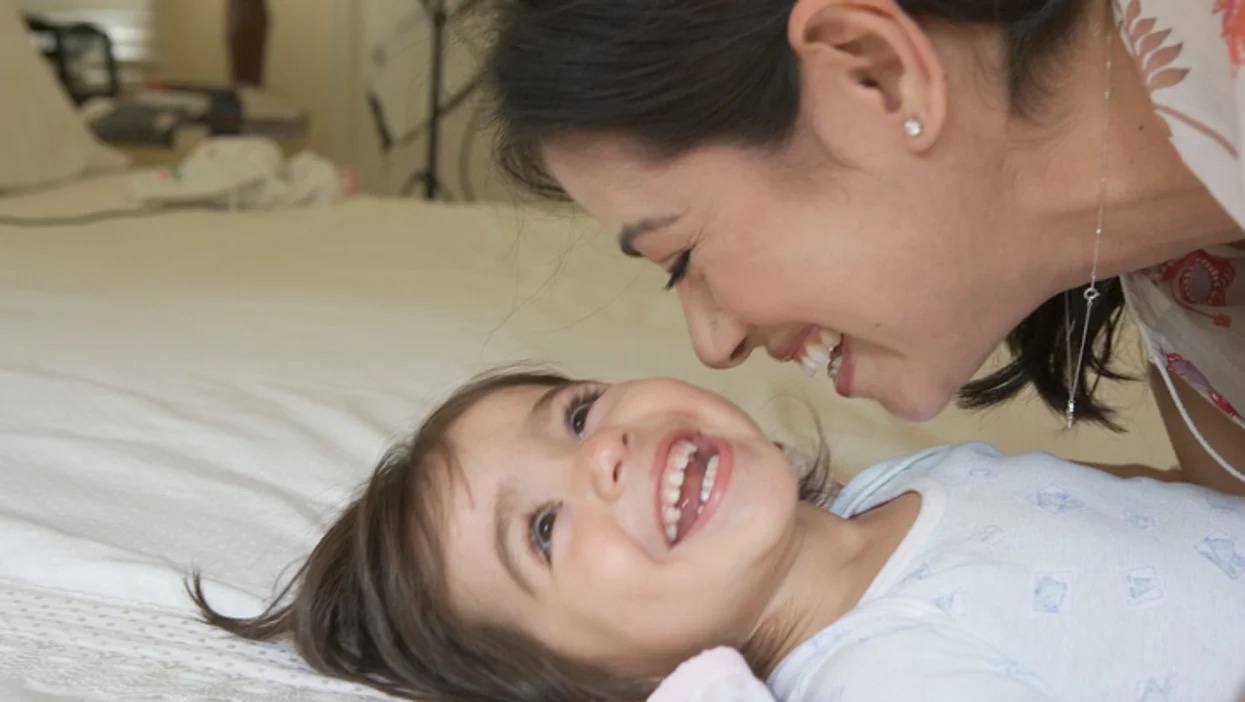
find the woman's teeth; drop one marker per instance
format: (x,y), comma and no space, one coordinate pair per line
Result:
(821,352)
(672,486)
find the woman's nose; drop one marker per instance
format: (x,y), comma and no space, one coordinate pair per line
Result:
(607,452)
(719,339)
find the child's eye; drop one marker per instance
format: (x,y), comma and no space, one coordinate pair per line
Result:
(578,408)
(540,526)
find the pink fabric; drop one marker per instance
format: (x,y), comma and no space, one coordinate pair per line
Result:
(717,675)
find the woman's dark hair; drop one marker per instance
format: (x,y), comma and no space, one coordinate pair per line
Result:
(370,604)
(677,74)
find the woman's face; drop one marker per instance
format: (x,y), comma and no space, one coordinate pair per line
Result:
(771,248)
(628,525)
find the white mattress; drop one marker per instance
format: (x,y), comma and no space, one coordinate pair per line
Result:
(205,389)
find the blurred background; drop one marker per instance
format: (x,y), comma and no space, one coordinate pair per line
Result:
(349,79)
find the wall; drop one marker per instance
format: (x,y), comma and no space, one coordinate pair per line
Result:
(309,60)
(395,61)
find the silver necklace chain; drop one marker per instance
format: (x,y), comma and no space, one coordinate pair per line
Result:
(1091,293)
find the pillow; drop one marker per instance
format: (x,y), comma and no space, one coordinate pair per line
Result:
(42,137)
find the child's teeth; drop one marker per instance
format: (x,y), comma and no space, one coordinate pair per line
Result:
(683,453)
(676,467)
(711,476)
(834,367)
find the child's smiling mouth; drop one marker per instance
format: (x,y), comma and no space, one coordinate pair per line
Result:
(690,472)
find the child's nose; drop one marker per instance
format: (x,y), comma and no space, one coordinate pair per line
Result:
(608,453)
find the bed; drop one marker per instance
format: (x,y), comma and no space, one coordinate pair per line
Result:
(205,389)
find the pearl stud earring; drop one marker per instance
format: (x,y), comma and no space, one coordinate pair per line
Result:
(913,127)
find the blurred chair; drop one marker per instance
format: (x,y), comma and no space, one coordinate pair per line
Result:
(82,55)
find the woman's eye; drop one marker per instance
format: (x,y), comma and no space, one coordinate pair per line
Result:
(578,409)
(679,269)
(542,523)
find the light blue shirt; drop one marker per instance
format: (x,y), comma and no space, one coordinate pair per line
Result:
(1030,578)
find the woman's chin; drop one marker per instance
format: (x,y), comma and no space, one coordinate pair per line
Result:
(917,407)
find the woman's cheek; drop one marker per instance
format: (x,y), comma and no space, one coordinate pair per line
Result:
(750,295)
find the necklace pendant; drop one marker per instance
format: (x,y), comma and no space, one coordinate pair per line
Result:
(1069,413)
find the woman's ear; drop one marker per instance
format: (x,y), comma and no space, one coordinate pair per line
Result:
(870,58)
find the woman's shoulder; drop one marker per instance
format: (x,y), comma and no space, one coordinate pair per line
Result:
(1190,56)
(1191,313)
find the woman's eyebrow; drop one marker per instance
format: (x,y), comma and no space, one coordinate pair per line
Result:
(635,230)
(503,515)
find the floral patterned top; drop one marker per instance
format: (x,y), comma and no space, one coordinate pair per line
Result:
(1191,310)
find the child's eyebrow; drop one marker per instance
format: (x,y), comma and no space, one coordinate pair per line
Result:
(503,516)
(541,408)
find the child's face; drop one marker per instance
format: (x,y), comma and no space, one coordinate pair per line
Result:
(560,528)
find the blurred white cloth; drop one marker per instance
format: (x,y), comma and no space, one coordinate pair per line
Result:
(244,172)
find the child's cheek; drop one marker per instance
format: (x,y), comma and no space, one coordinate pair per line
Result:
(608,565)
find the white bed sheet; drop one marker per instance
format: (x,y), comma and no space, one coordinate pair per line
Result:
(205,389)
